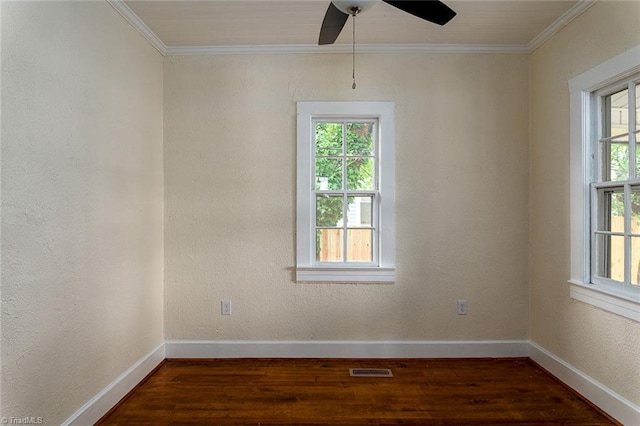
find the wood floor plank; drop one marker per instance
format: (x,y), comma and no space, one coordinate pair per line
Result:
(321,391)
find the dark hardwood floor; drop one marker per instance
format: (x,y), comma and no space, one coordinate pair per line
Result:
(320,391)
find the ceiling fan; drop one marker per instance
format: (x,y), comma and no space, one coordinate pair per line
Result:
(339,11)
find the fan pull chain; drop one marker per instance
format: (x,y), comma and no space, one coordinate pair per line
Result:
(353,73)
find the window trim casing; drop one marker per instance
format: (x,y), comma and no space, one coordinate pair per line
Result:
(582,167)
(306,270)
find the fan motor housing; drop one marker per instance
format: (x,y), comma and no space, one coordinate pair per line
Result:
(353,7)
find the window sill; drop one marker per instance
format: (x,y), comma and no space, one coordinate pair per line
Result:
(627,306)
(345,275)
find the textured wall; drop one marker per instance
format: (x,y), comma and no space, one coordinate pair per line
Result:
(599,343)
(462,197)
(81,204)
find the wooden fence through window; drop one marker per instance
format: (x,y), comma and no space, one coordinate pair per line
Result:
(358,245)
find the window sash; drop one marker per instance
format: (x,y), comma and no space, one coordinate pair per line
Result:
(346,193)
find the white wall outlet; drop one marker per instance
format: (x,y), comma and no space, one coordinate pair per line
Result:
(462,307)
(225,307)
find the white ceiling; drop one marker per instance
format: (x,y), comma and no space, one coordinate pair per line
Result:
(216,23)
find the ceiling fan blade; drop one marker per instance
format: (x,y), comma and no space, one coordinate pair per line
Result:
(332,24)
(432,10)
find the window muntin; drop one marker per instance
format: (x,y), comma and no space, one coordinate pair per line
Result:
(615,191)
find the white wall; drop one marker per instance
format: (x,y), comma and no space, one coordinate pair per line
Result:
(462,198)
(601,344)
(82,242)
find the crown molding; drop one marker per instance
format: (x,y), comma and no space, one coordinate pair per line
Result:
(344,48)
(571,14)
(129,15)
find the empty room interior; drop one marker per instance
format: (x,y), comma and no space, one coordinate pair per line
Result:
(205,180)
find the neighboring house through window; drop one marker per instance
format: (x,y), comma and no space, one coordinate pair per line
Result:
(345,197)
(605,185)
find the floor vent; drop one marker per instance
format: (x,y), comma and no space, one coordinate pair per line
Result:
(370,372)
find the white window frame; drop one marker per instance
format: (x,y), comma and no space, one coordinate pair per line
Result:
(383,269)
(583,168)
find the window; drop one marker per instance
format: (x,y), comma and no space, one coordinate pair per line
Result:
(615,193)
(345,197)
(605,185)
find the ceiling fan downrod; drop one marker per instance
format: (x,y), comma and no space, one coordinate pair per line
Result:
(353,52)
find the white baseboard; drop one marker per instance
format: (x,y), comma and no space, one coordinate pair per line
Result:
(615,405)
(346,349)
(100,404)
(607,400)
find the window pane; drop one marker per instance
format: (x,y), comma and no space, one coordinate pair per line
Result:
(329,245)
(359,243)
(360,138)
(611,210)
(328,174)
(637,155)
(635,210)
(610,256)
(637,108)
(360,173)
(635,260)
(616,159)
(328,139)
(359,211)
(617,111)
(329,210)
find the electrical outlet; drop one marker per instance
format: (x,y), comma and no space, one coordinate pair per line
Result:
(462,307)
(225,307)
